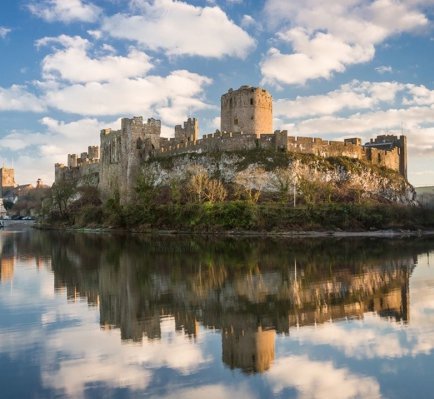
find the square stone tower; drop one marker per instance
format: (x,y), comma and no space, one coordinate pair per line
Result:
(7,178)
(248,110)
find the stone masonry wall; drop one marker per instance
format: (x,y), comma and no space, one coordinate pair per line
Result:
(280,141)
(7,178)
(122,152)
(189,132)
(248,110)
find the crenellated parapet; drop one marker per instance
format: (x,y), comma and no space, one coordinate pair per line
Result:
(188,132)
(246,124)
(390,154)
(79,167)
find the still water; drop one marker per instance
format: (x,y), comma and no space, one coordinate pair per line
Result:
(102,316)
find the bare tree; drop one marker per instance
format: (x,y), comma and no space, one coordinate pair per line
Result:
(215,191)
(198,182)
(251,182)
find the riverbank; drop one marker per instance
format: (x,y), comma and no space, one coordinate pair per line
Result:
(244,233)
(243,217)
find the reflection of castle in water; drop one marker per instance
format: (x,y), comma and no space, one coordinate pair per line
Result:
(249,294)
(7,258)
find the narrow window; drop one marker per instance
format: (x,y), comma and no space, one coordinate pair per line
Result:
(236,121)
(251,101)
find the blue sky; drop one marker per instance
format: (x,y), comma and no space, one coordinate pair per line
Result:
(335,68)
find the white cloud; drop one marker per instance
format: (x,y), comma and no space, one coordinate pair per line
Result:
(72,62)
(4,32)
(384,69)
(37,152)
(382,108)
(179,28)
(172,97)
(18,140)
(247,21)
(315,379)
(326,38)
(316,56)
(64,10)
(352,96)
(17,98)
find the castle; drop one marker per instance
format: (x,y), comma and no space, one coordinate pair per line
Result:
(7,180)
(246,124)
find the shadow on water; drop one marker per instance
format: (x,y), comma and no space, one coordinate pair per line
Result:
(249,289)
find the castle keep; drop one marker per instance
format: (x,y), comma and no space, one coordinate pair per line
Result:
(248,110)
(246,124)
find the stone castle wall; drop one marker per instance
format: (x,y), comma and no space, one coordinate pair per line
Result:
(246,124)
(188,132)
(83,169)
(7,178)
(389,157)
(248,110)
(122,152)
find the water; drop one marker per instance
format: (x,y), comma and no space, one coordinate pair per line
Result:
(100,316)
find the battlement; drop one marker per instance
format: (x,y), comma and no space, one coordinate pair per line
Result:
(78,166)
(246,124)
(389,155)
(189,132)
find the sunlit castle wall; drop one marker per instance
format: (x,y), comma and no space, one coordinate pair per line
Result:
(122,152)
(7,178)
(248,110)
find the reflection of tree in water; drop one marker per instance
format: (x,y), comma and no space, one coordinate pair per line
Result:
(250,289)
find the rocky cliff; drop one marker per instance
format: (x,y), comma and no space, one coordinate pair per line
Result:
(272,173)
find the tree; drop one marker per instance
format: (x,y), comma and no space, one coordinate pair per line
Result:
(197,182)
(215,191)
(251,182)
(286,184)
(62,193)
(203,188)
(146,186)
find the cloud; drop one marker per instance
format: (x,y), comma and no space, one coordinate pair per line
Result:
(171,97)
(364,109)
(355,95)
(72,62)
(384,69)
(17,98)
(315,379)
(179,28)
(316,56)
(247,21)
(4,32)
(34,153)
(327,39)
(64,10)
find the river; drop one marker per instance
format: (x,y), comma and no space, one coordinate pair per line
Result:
(88,315)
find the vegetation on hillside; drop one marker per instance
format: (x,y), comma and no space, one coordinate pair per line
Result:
(200,202)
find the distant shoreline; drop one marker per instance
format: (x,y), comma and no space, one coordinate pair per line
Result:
(246,233)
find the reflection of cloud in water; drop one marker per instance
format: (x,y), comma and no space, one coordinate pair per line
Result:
(315,379)
(78,354)
(216,391)
(373,337)
(89,356)
(376,337)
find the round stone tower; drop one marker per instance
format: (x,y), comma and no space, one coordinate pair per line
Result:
(248,110)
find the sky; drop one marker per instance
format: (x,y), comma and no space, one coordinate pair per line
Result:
(335,68)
